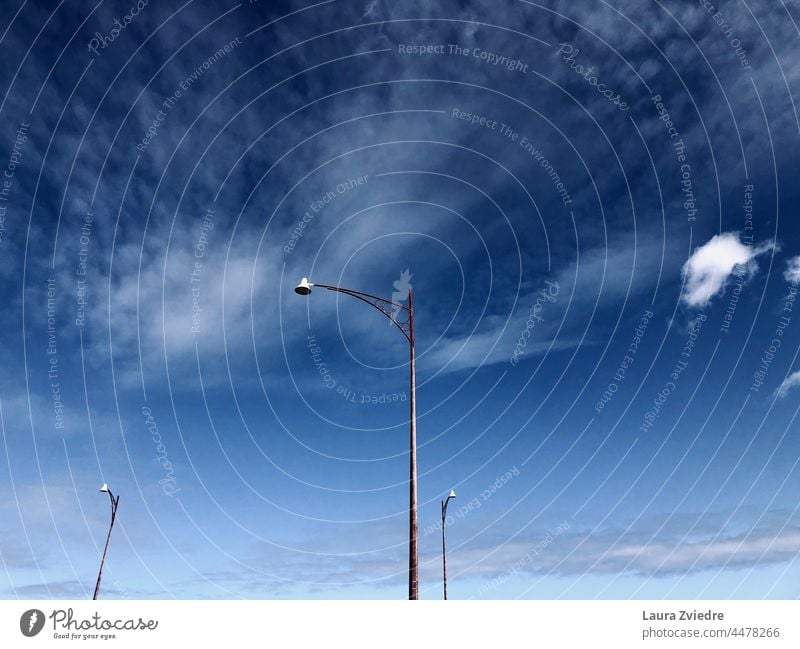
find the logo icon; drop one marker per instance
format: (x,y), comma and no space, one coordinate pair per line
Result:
(401,288)
(31,622)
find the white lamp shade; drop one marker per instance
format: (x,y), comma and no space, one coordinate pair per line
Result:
(304,287)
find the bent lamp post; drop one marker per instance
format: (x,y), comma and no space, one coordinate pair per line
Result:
(444,547)
(114,505)
(403,318)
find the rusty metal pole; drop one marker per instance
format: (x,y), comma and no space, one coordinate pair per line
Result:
(444,548)
(412,541)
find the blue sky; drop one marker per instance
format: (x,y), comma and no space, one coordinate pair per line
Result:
(595,207)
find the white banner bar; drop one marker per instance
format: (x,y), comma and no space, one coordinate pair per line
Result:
(233,624)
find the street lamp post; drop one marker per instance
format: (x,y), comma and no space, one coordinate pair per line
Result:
(405,324)
(114,505)
(444,546)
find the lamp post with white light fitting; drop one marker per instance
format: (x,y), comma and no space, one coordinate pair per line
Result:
(114,505)
(444,546)
(405,323)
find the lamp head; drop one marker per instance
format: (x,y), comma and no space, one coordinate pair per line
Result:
(304,287)
(104,488)
(452,493)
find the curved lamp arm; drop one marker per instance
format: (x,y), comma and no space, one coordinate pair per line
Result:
(386,307)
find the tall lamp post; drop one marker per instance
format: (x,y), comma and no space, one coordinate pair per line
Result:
(114,505)
(444,546)
(405,323)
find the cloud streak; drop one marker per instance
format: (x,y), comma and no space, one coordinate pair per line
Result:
(789,382)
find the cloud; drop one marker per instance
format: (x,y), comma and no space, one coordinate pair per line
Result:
(788,383)
(562,551)
(792,272)
(709,268)
(554,316)
(65,589)
(614,552)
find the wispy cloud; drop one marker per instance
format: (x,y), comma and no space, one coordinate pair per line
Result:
(600,277)
(67,589)
(616,552)
(788,383)
(571,553)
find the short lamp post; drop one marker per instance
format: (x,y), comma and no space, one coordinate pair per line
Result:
(114,505)
(402,316)
(444,545)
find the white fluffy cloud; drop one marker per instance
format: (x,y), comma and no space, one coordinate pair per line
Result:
(710,266)
(792,273)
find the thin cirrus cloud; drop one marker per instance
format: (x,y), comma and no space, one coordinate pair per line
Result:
(789,382)
(563,551)
(710,267)
(791,274)
(600,277)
